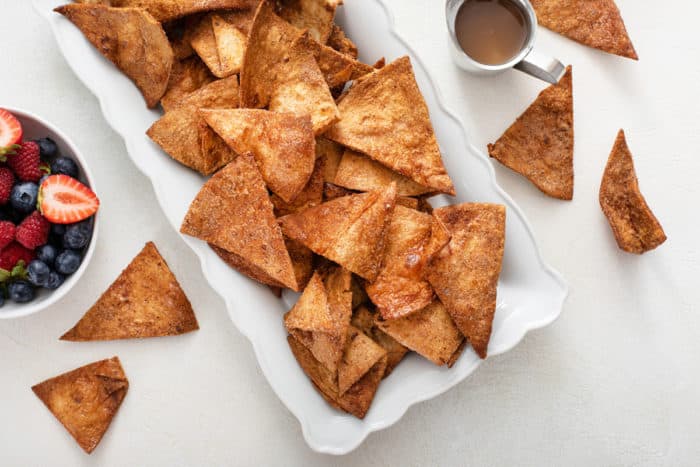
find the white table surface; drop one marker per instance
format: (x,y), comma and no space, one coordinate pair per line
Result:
(615,381)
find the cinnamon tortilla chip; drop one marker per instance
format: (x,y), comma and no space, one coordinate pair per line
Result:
(178,34)
(540,144)
(358,172)
(282,143)
(331,192)
(332,153)
(131,39)
(430,332)
(219,44)
(146,300)
(184,135)
(86,399)
(400,288)
(340,42)
(246,268)
(595,23)
(385,116)
(355,400)
(411,203)
(464,274)
(635,227)
(186,77)
(361,354)
(320,319)
(167,10)
(316,16)
(350,231)
(233,212)
(364,320)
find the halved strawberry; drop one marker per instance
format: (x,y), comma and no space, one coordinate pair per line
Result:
(10,130)
(64,200)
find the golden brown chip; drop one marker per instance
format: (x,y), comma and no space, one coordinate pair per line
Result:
(340,42)
(400,288)
(357,399)
(187,76)
(246,268)
(178,34)
(219,44)
(144,301)
(458,353)
(635,227)
(301,89)
(86,399)
(282,143)
(184,135)
(411,203)
(595,23)
(131,39)
(321,317)
(350,231)
(339,68)
(429,332)
(233,212)
(167,10)
(331,192)
(332,153)
(363,319)
(361,354)
(385,116)
(358,172)
(464,274)
(540,144)
(316,16)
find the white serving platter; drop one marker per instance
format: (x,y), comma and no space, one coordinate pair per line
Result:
(530,293)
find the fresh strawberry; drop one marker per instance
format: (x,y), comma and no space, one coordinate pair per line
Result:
(33,231)
(10,131)
(26,162)
(12,254)
(64,200)
(7,179)
(7,233)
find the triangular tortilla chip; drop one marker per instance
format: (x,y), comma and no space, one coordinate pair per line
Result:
(364,320)
(458,353)
(357,399)
(233,212)
(131,39)
(184,135)
(321,317)
(167,10)
(465,273)
(400,288)
(340,42)
(301,89)
(316,16)
(86,399)
(332,152)
(186,77)
(219,44)
(358,172)
(338,68)
(635,227)
(350,231)
(144,301)
(595,23)
(283,145)
(540,144)
(385,116)
(429,332)
(361,354)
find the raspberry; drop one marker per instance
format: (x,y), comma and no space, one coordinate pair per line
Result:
(7,179)
(33,231)
(12,254)
(7,233)
(26,161)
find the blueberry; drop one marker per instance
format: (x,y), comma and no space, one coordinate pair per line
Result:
(38,273)
(47,148)
(66,166)
(21,291)
(55,280)
(68,262)
(47,254)
(77,235)
(23,197)
(58,229)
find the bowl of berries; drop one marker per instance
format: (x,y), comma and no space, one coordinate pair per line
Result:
(48,207)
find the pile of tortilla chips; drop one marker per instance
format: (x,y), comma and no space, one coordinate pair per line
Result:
(321,167)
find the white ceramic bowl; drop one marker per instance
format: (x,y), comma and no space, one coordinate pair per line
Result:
(37,127)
